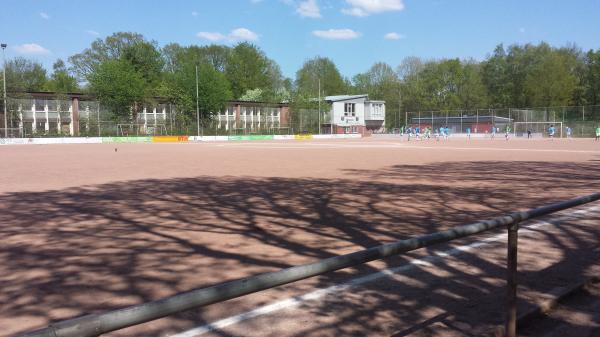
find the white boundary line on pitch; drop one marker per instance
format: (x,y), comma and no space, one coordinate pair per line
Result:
(388,272)
(387,145)
(498,149)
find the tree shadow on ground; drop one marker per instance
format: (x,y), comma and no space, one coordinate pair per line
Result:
(82,250)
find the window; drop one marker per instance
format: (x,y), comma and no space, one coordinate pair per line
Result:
(377,110)
(40,105)
(349,107)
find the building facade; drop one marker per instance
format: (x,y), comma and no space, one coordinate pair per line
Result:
(254,117)
(46,113)
(355,114)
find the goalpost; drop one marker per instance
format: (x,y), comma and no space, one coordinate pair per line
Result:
(128,130)
(11,132)
(538,129)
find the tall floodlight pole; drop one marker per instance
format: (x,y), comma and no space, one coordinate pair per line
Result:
(319,106)
(197,105)
(4,86)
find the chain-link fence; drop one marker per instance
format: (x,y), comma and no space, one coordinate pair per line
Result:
(35,117)
(581,120)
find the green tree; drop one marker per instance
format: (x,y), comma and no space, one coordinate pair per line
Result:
(444,85)
(180,79)
(118,86)
(139,61)
(472,93)
(170,55)
(412,93)
(24,75)
(248,68)
(213,88)
(253,95)
(495,76)
(592,77)
(323,69)
(61,81)
(380,82)
(147,61)
(113,47)
(550,82)
(217,56)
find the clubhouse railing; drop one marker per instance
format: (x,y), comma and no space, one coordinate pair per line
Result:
(97,324)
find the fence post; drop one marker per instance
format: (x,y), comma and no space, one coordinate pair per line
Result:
(99,130)
(582,119)
(511,281)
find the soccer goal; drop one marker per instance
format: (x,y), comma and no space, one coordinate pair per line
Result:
(11,133)
(280,130)
(537,129)
(128,130)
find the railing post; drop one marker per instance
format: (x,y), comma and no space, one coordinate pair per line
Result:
(511,281)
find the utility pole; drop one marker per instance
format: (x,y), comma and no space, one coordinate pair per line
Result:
(319,106)
(4,81)
(197,105)
(399,107)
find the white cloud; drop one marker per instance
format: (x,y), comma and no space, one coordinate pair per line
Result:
(522,30)
(238,34)
(92,32)
(243,34)
(31,49)
(44,16)
(194,13)
(393,36)
(211,36)
(368,7)
(336,34)
(309,8)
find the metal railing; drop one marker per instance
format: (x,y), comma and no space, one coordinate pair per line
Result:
(97,324)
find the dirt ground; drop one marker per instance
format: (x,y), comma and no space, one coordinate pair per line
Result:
(576,315)
(94,227)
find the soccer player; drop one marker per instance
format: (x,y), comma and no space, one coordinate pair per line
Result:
(493,132)
(598,133)
(569,131)
(551,131)
(507,131)
(528,133)
(469,133)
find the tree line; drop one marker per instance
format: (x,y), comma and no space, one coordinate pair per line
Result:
(126,70)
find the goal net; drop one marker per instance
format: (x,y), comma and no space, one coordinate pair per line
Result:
(129,130)
(538,129)
(11,133)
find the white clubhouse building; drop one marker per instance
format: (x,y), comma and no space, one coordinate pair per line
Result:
(355,114)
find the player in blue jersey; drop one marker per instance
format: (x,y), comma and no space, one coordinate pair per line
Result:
(551,131)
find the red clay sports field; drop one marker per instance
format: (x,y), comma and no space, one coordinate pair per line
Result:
(86,229)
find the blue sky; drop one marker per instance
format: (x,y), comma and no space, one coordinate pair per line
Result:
(353,33)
